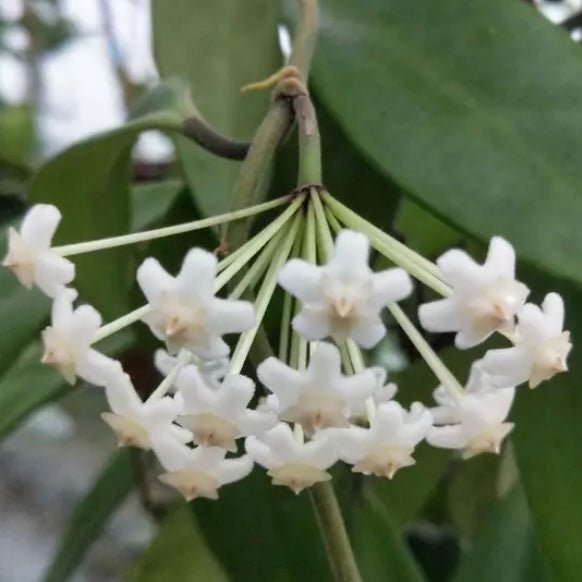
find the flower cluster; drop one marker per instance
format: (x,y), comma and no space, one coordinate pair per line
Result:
(321,403)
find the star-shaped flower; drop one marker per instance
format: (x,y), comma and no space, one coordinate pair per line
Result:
(217,416)
(295,464)
(68,340)
(485,298)
(184,311)
(475,420)
(541,347)
(389,443)
(30,256)
(213,371)
(137,423)
(383,393)
(343,298)
(320,396)
(198,472)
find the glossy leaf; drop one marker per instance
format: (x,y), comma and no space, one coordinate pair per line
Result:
(263,533)
(89,183)
(475,108)
(178,553)
(506,551)
(151,202)
(22,313)
(91,515)
(380,549)
(218,47)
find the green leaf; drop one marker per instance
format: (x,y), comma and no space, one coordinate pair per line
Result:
(348,174)
(178,553)
(506,550)
(263,533)
(423,231)
(24,391)
(89,183)
(474,107)
(91,515)
(472,490)
(218,46)
(22,312)
(380,550)
(151,202)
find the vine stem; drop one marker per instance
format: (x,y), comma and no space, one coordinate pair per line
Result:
(331,524)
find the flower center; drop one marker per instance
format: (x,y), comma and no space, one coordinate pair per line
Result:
(297,476)
(384,461)
(59,354)
(488,441)
(211,430)
(317,409)
(192,483)
(130,433)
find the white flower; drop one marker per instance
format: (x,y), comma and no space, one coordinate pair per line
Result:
(343,298)
(389,443)
(320,396)
(485,298)
(540,350)
(213,371)
(198,472)
(184,312)
(219,415)
(294,464)
(475,420)
(30,256)
(383,393)
(137,423)
(68,340)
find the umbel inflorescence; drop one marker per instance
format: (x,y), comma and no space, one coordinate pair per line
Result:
(324,403)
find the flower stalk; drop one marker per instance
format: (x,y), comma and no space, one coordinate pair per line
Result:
(445,376)
(331,524)
(137,237)
(264,297)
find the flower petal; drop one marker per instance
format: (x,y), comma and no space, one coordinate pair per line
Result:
(229,316)
(52,272)
(86,322)
(447,437)
(368,333)
(440,316)
(122,397)
(153,279)
(507,367)
(460,270)
(312,325)
(196,277)
(501,257)
(350,256)
(390,286)
(301,279)
(235,469)
(39,226)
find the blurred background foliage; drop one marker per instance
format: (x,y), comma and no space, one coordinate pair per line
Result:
(442,122)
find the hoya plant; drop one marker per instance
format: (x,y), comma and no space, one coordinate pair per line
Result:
(348,282)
